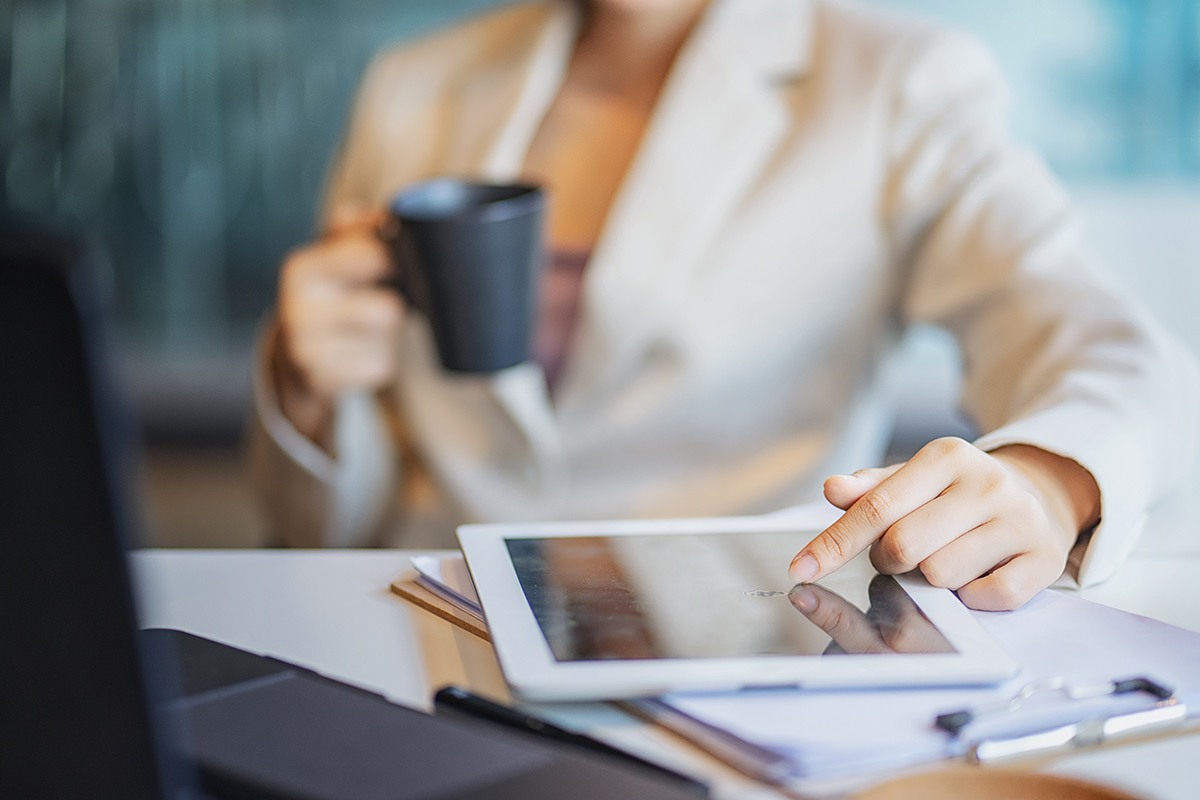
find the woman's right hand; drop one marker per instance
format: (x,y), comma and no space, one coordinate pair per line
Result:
(338,326)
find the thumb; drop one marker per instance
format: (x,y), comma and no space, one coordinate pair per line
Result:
(843,491)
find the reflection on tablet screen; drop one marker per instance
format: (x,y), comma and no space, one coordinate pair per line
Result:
(710,595)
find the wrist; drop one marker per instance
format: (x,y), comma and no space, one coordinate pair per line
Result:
(1067,491)
(309,412)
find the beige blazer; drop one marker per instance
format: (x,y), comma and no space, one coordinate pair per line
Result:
(816,176)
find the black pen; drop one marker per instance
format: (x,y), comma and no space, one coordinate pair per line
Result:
(454,700)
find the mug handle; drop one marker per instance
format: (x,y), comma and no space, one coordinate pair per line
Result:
(406,277)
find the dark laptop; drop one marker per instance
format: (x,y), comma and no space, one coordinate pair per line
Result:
(89,707)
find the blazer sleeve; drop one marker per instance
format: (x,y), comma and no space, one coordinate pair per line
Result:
(309,497)
(1053,355)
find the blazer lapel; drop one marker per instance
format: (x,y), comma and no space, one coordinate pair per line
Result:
(497,114)
(499,108)
(717,121)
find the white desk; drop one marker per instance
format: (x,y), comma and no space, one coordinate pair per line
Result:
(332,611)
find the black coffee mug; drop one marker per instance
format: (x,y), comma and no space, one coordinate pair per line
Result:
(468,255)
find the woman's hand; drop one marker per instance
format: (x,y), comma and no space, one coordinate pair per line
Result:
(994,527)
(338,327)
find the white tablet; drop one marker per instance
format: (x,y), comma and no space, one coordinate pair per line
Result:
(600,610)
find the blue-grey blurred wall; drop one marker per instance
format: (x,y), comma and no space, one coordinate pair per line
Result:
(194,134)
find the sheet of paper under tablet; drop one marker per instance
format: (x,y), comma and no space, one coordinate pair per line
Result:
(826,733)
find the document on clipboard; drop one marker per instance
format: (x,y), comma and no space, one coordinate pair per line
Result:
(1073,652)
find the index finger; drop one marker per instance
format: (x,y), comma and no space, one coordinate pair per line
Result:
(352,216)
(352,257)
(901,493)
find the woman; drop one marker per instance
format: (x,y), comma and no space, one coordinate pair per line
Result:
(764,193)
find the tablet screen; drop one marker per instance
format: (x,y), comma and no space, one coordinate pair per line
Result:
(708,595)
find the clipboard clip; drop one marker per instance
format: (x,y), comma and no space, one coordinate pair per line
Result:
(1058,741)
(1167,713)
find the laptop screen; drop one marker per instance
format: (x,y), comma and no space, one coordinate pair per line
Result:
(76,720)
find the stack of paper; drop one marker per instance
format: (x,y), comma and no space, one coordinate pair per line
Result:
(449,579)
(794,736)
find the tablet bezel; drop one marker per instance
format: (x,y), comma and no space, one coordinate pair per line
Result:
(533,673)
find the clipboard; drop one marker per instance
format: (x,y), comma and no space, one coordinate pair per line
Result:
(406,586)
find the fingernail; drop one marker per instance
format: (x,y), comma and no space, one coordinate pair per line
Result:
(805,600)
(803,568)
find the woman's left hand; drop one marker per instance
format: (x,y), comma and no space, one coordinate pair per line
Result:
(994,527)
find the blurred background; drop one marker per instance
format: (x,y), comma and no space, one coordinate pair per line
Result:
(193,136)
